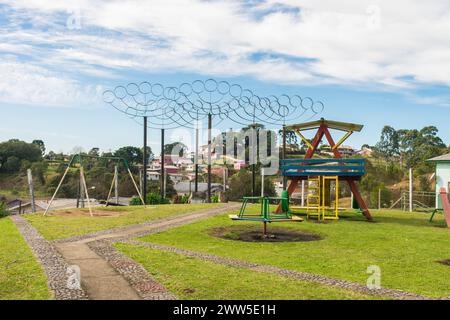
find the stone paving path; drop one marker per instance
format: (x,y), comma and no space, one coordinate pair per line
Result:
(109,274)
(106,274)
(51,260)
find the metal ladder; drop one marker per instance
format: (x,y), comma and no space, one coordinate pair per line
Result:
(313,197)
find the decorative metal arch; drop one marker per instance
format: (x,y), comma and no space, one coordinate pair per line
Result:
(168,107)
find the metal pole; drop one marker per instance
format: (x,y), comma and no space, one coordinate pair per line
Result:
(262,182)
(208,200)
(253,160)
(164,185)
(225,174)
(141,177)
(410,190)
(163,159)
(283,155)
(145,157)
(196,160)
(31,186)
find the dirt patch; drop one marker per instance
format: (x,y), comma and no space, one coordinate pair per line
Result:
(444,262)
(253,233)
(85,213)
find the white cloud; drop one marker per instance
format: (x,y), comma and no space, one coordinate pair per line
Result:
(26,84)
(391,44)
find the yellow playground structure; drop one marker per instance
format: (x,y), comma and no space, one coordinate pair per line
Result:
(319,199)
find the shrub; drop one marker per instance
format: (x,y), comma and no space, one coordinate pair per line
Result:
(155,198)
(3,211)
(151,198)
(215,198)
(135,201)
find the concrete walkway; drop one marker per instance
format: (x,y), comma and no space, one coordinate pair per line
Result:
(99,280)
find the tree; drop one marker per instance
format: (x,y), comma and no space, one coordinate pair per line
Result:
(418,145)
(40,144)
(240,185)
(388,146)
(94,152)
(17,150)
(132,155)
(291,136)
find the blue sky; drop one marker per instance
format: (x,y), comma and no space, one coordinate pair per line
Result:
(371,62)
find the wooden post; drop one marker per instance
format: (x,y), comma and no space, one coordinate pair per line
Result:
(110,188)
(379,199)
(135,186)
(303,193)
(31,187)
(85,189)
(116,183)
(57,188)
(351,200)
(82,192)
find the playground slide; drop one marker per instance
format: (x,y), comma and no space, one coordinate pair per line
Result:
(445,205)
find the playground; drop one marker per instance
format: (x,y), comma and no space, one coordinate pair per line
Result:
(194,255)
(304,243)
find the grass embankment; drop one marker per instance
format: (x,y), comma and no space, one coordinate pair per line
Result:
(404,245)
(21,276)
(61,224)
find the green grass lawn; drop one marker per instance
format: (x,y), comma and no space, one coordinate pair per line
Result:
(62,226)
(404,245)
(21,277)
(192,278)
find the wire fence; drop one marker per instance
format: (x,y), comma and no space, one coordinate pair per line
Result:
(421,201)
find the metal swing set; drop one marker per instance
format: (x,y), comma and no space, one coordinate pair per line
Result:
(78,159)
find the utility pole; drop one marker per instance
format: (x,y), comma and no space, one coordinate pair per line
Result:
(31,187)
